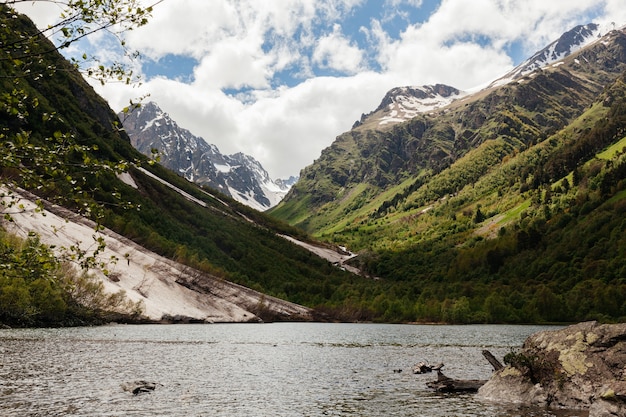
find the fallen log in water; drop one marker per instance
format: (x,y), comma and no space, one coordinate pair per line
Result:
(445,384)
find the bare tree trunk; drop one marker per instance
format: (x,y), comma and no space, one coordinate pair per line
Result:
(492,360)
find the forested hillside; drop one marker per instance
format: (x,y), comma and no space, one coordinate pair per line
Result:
(504,206)
(62,141)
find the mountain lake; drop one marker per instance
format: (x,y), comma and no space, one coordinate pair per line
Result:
(276,369)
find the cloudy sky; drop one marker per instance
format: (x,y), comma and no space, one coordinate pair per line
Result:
(280,79)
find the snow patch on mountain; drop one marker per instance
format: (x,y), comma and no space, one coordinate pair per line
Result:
(127,179)
(404,103)
(222,168)
(408,102)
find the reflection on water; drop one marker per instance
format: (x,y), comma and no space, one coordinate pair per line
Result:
(303,369)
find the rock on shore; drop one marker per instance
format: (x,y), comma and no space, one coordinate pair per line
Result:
(579,367)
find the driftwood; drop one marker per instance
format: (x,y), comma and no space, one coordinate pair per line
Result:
(445,384)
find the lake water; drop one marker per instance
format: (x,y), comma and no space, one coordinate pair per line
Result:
(279,369)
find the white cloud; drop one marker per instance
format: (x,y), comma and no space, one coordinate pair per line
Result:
(285,123)
(43,14)
(234,63)
(534,22)
(422,55)
(285,131)
(615,13)
(177,27)
(336,52)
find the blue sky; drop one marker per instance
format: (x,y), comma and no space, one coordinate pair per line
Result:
(393,21)
(280,79)
(170,66)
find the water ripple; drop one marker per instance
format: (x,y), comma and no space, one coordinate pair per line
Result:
(248,370)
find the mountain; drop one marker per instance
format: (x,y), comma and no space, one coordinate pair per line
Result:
(239,176)
(504,202)
(401,104)
(444,124)
(182,251)
(286,183)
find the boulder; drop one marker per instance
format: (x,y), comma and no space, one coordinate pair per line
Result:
(139,387)
(423,367)
(578,367)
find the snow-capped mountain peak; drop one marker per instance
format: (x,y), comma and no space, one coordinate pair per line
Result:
(570,42)
(403,103)
(239,175)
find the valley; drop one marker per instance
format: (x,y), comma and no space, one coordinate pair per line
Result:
(498,206)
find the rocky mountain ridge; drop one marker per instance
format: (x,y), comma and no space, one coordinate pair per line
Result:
(567,44)
(239,175)
(404,103)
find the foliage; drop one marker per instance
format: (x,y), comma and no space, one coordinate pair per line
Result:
(43,149)
(36,289)
(46,149)
(535,368)
(78,19)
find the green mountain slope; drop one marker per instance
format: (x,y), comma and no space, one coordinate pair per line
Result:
(56,111)
(370,158)
(505,206)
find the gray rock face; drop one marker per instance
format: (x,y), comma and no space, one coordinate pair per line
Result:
(578,367)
